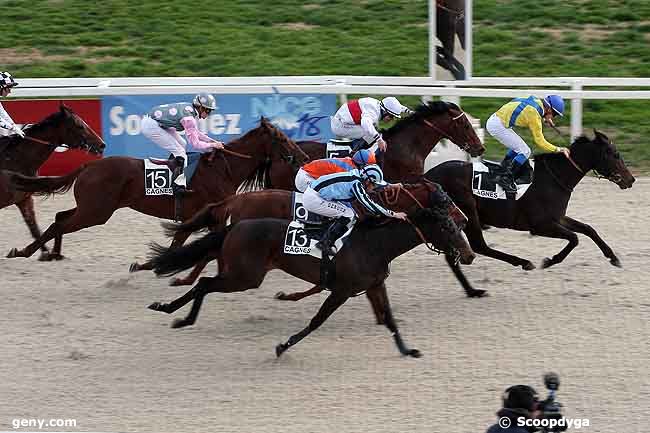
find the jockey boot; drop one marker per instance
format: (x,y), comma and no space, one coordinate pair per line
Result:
(179,185)
(336,229)
(358,144)
(509,156)
(507,178)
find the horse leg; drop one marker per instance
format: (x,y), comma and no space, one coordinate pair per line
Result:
(333,301)
(556,230)
(179,239)
(191,278)
(378,298)
(587,230)
(26,208)
(58,239)
(297,296)
(479,246)
(469,290)
(225,283)
(181,301)
(389,321)
(67,221)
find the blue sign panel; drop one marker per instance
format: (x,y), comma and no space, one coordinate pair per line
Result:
(300,116)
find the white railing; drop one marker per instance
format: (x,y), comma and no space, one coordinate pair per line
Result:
(506,87)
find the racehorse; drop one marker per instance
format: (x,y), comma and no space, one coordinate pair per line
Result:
(542,209)
(409,141)
(279,204)
(26,155)
(251,248)
(119,182)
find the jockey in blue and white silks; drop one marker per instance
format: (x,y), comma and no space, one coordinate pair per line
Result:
(329,196)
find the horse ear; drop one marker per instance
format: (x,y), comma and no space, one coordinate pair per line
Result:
(600,136)
(64,108)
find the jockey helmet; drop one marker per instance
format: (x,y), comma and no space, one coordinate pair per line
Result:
(373,173)
(205,100)
(556,103)
(6,80)
(364,157)
(392,106)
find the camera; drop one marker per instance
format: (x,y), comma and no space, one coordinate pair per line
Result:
(551,408)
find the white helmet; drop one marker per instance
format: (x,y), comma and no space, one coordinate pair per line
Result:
(393,107)
(373,173)
(205,100)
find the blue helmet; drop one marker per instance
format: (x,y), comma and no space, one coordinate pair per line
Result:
(364,157)
(374,174)
(556,103)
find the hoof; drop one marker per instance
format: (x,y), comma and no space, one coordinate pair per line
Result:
(179,282)
(528,266)
(158,306)
(13,253)
(135,267)
(616,262)
(478,293)
(414,353)
(280,295)
(546,263)
(280,349)
(180,323)
(48,257)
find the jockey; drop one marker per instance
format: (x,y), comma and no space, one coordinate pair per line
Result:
(162,123)
(357,120)
(322,167)
(7,125)
(524,112)
(324,194)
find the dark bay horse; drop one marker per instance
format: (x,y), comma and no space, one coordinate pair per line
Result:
(279,204)
(542,210)
(109,184)
(409,141)
(26,155)
(251,248)
(450,22)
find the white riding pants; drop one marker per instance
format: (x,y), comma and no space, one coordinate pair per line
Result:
(346,130)
(302,180)
(168,139)
(313,202)
(506,136)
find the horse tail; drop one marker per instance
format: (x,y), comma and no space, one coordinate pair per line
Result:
(45,185)
(209,216)
(170,261)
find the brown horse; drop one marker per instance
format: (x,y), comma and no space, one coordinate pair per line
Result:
(249,249)
(409,141)
(279,204)
(541,211)
(26,155)
(119,181)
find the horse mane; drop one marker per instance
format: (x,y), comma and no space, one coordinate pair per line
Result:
(583,139)
(50,121)
(258,179)
(423,111)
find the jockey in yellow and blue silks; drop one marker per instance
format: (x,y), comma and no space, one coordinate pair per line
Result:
(523,112)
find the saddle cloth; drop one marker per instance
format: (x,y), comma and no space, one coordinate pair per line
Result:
(484,183)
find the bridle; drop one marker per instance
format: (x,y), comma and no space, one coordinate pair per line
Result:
(465,146)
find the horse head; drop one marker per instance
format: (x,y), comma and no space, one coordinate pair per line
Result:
(446,120)
(280,147)
(601,155)
(77,134)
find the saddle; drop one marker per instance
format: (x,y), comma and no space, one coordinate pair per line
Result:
(525,175)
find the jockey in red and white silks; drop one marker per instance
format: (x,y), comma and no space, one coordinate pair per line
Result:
(358,119)
(7,125)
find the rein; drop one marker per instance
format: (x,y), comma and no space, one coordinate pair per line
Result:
(38,140)
(443,133)
(429,245)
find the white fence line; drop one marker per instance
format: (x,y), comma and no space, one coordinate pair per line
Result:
(343,85)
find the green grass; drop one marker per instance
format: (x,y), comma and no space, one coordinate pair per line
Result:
(72,38)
